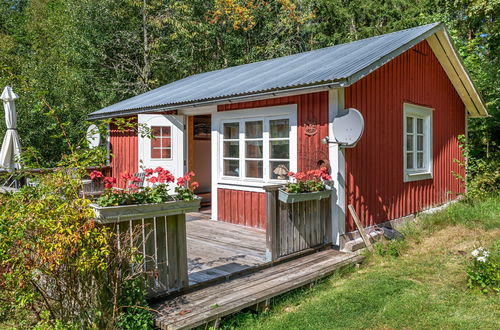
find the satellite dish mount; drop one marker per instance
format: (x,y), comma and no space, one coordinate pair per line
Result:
(348,127)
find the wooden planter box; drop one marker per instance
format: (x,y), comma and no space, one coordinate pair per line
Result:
(158,231)
(114,214)
(288,198)
(296,223)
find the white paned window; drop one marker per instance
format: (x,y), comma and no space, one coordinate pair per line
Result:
(258,149)
(417,158)
(231,149)
(161,144)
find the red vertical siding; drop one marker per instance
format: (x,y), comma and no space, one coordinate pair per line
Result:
(242,207)
(124,150)
(374,168)
(249,208)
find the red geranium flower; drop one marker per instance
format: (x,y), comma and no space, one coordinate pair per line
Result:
(153,179)
(194,185)
(148,171)
(126,176)
(109,182)
(135,179)
(291,174)
(96,175)
(159,169)
(181,181)
(300,176)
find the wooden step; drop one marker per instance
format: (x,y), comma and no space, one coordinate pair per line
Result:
(214,302)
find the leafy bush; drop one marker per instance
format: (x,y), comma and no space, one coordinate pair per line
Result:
(56,262)
(484,271)
(134,315)
(483,174)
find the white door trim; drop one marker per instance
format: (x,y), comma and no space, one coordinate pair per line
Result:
(176,163)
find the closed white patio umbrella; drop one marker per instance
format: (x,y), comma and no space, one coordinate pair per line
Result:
(11,146)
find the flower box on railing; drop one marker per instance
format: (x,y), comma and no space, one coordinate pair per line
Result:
(288,198)
(114,214)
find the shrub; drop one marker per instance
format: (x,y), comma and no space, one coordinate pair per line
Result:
(56,261)
(484,271)
(483,173)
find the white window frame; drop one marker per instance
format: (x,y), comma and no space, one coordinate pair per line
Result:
(424,113)
(255,114)
(161,145)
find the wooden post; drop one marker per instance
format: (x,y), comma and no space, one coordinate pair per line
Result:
(272,212)
(361,229)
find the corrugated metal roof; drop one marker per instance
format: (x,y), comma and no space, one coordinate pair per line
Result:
(341,64)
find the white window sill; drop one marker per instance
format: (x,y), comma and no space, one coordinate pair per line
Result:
(248,182)
(417,176)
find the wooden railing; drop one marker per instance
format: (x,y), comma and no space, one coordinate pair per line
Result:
(161,241)
(293,228)
(20,177)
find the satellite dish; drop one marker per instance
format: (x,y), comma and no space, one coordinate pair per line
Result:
(348,127)
(93,136)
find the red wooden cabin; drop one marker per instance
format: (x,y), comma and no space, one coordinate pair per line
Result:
(234,126)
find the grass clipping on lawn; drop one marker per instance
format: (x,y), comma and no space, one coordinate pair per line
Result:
(423,288)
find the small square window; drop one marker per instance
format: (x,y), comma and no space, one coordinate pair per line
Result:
(161,142)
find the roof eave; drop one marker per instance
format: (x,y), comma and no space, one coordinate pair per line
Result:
(220,100)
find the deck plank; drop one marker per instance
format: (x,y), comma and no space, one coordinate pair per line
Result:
(218,249)
(197,308)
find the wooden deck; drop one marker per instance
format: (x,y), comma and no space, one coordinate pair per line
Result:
(216,250)
(214,302)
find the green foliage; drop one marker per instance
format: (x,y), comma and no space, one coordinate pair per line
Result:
(184,194)
(481,213)
(393,248)
(82,55)
(483,174)
(132,314)
(148,195)
(57,263)
(484,271)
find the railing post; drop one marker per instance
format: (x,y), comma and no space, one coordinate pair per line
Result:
(272,211)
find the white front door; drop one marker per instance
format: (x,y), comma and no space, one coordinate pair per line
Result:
(166,149)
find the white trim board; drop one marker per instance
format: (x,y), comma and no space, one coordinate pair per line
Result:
(337,161)
(425,113)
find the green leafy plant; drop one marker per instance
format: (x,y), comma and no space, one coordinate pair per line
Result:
(133,314)
(393,248)
(159,178)
(310,181)
(56,262)
(483,174)
(484,271)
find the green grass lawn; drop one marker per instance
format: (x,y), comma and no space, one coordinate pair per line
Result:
(425,287)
